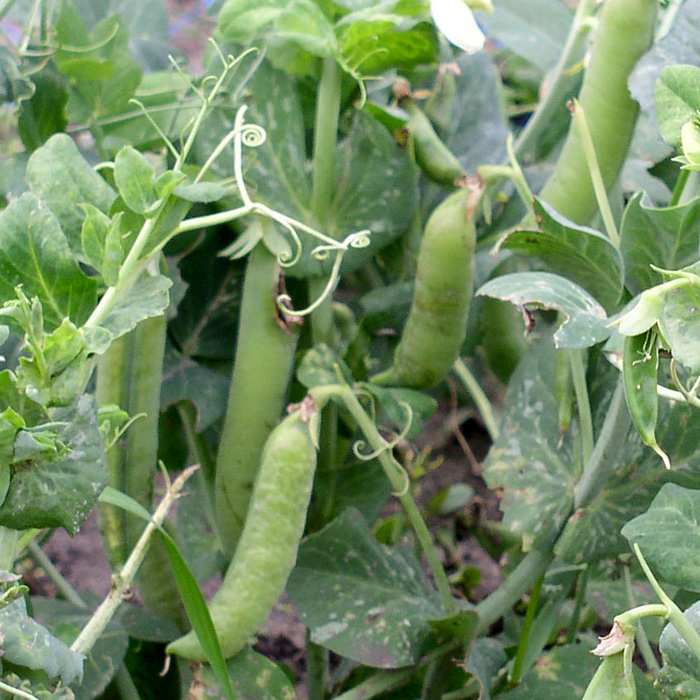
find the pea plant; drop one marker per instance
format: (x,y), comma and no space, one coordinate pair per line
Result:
(235,302)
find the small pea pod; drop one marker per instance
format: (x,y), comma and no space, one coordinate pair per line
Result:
(437,322)
(432,156)
(612,681)
(269,543)
(639,367)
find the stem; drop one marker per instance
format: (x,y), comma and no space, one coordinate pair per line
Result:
(690,187)
(563,81)
(479,397)
(532,606)
(578,375)
(578,607)
(616,423)
(64,588)
(382,682)
(9,541)
(394,472)
(521,579)
(122,581)
(317,670)
(642,640)
(669,18)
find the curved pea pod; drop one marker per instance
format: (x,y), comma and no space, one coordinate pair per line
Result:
(625,31)
(640,363)
(269,543)
(433,157)
(612,681)
(437,322)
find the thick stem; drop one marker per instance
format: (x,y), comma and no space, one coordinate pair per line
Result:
(258,393)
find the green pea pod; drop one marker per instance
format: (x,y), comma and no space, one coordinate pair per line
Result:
(639,367)
(625,31)
(268,547)
(432,156)
(437,322)
(610,681)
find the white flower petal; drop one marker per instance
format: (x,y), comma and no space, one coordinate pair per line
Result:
(456,21)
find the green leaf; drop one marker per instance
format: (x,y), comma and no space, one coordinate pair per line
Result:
(303,23)
(102,663)
(578,253)
(145,20)
(253,677)
(27,643)
(485,659)
(373,46)
(361,600)
(241,20)
(586,323)
(43,114)
(680,676)
(34,253)
(134,176)
(204,192)
(666,535)
(535,30)
(60,490)
(680,327)
(318,368)
(395,402)
(530,461)
(677,100)
(185,379)
(663,236)
(147,298)
(64,180)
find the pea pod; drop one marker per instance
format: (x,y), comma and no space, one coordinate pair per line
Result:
(270,540)
(437,322)
(639,367)
(432,156)
(611,682)
(625,31)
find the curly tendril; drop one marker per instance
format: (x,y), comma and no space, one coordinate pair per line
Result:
(359,445)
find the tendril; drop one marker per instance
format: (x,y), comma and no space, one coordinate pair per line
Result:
(168,143)
(689,396)
(360,445)
(284,259)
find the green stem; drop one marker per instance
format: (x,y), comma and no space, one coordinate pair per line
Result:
(578,606)
(532,606)
(690,187)
(64,588)
(258,392)
(479,397)
(380,683)
(397,477)
(578,375)
(520,580)
(7,6)
(642,640)
(615,426)
(562,82)
(9,541)
(317,670)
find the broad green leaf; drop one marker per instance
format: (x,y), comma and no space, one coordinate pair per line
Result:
(204,192)
(372,46)
(631,474)
(535,30)
(667,535)
(42,115)
(318,368)
(59,174)
(477,132)
(681,45)
(102,663)
(530,461)
(578,253)
(253,677)
(361,600)
(147,298)
(679,678)
(241,20)
(677,100)
(303,23)
(134,176)
(585,321)
(206,324)
(60,490)
(186,379)
(663,236)
(680,327)
(34,253)
(27,643)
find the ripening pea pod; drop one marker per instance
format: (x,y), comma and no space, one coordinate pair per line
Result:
(625,31)
(640,363)
(612,681)
(437,322)
(269,543)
